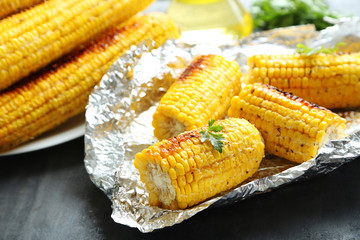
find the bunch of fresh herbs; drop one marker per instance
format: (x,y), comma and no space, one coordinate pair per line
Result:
(269,14)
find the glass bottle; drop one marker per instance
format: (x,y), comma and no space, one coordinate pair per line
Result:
(211,21)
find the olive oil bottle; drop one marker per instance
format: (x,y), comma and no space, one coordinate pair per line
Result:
(211,21)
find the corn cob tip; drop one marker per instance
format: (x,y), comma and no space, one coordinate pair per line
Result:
(292,128)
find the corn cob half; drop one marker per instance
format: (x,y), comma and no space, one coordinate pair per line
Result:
(292,128)
(182,171)
(54,30)
(331,81)
(202,92)
(8,7)
(50,97)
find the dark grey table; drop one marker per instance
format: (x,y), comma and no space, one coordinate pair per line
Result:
(47,194)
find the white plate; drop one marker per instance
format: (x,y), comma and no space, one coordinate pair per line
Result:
(71,129)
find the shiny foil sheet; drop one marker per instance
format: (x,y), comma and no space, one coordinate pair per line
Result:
(120,109)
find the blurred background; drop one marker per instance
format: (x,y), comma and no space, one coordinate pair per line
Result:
(220,21)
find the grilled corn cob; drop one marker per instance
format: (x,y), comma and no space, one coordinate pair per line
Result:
(202,92)
(61,26)
(8,7)
(182,171)
(331,81)
(292,128)
(50,97)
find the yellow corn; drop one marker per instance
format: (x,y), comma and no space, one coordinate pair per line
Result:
(182,171)
(203,92)
(59,92)
(292,128)
(59,27)
(331,81)
(27,20)
(8,7)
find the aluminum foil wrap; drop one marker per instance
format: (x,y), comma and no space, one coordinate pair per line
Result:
(119,116)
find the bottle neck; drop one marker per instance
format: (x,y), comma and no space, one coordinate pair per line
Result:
(198,1)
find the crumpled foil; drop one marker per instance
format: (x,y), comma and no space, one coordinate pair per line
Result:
(119,115)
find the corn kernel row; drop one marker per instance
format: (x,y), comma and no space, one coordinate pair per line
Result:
(331,81)
(64,25)
(8,7)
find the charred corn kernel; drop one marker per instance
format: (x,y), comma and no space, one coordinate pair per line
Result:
(290,132)
(27,47)
(50,97)
(212,81)
(327,80)
(238,161)
(8,7)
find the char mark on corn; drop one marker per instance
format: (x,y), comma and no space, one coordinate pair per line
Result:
(292,128)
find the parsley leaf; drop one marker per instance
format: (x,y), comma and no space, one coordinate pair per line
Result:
(211,134)
(269,14)
(216,128)
(217,141)
(204,136)
(211,122)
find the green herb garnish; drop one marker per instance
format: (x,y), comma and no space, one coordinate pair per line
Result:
(216,139)
(269,14)
(316,50)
